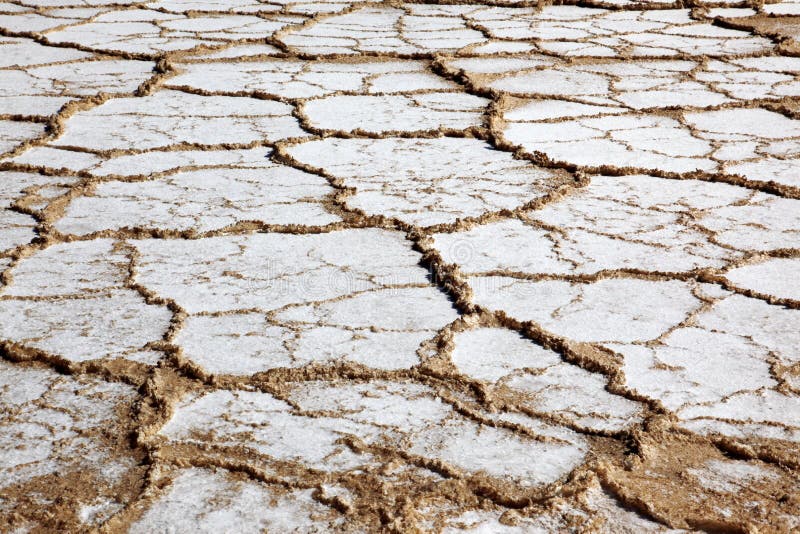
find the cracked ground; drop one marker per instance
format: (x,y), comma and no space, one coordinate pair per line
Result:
(339,266)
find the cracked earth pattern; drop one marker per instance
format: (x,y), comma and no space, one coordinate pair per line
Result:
(341,266)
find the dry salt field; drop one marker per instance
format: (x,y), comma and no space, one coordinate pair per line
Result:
(339,266)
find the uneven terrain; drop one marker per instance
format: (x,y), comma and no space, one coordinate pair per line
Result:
(335,266)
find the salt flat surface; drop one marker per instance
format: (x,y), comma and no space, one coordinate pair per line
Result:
(340,266)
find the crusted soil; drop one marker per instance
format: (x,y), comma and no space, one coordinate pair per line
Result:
(399,266)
